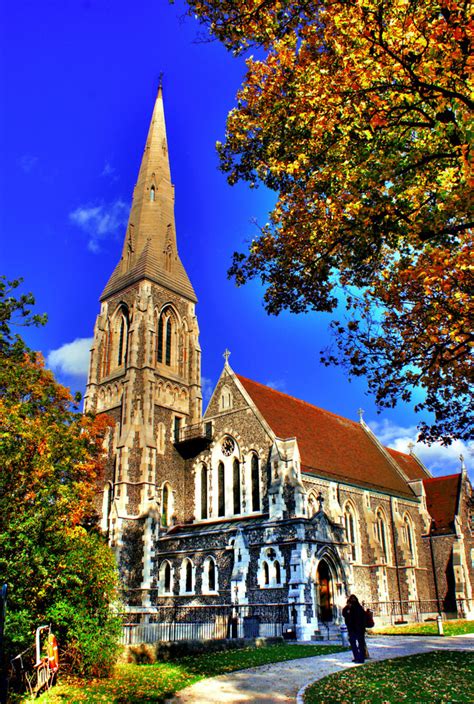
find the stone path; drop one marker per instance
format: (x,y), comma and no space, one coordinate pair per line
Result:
(284,682)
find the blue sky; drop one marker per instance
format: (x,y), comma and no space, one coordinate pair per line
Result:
(77,86)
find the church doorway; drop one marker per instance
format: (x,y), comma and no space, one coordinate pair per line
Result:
(325,592)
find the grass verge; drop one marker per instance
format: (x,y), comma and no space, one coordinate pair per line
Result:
(131,684)
(440,677)
(427,628)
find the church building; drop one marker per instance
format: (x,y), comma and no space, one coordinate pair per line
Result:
(264,507)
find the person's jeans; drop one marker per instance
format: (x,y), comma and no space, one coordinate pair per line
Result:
(357,642)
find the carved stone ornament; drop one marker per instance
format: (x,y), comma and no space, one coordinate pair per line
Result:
(227,446)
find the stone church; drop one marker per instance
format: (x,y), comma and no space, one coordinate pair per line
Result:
(264,500)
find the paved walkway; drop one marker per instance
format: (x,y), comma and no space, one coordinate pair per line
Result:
(281,682)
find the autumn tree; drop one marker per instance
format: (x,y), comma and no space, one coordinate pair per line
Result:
(57,565)
(359,114)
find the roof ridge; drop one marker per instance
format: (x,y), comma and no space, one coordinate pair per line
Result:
(299,400)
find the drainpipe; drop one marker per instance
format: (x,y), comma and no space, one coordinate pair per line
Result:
(396,558)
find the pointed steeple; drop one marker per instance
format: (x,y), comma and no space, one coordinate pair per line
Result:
(150,249)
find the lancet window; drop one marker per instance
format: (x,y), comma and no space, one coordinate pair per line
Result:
(236,486)
(351,531)
(381,531)
(255,480)
(165,338)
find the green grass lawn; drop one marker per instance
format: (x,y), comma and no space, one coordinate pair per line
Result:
(435,678)
(450,628)
(154,683)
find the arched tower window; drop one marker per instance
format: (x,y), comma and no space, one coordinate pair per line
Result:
(277,572)
(381,528)
(255,479)
(166,352)
(152,193)
(169,332)
(236,485)
(204,497)
(220,489)
(350,526)
(159,346)
(120,334)
(266,573)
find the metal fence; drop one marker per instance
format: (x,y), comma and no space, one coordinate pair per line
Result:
(171,623)
(418,610)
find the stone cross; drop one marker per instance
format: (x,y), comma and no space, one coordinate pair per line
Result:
(361,414)
(226,356)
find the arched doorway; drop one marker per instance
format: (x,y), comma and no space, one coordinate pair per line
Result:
(325,592)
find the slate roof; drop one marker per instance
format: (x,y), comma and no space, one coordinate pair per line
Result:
(413,469)
(442,494)
(148,267)
(330,446)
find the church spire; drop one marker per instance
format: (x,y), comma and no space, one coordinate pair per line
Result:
(150,249)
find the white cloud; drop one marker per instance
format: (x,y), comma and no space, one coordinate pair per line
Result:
(207,387)
(71,358)
(100,221)
(277,385)
(439,460)
(109,171)
(28,162)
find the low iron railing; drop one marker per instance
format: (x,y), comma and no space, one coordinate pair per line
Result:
(418,610)
(206,622)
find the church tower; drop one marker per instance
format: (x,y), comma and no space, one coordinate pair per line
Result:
(145,368)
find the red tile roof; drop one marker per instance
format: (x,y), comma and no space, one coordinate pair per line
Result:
(330,446)
(409,465)
(442,502)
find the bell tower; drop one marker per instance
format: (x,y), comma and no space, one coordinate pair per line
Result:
(145,367)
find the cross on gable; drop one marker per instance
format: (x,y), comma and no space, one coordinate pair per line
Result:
(226,356)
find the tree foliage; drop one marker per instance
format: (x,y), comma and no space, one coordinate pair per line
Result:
(58,567)
(360,117)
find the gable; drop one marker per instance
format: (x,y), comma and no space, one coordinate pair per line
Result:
(441,501)
(330,446)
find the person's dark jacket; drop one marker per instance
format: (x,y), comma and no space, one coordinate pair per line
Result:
(354,616)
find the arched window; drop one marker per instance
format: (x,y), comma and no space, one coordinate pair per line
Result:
(220,490)
(121,325)
(159,346)
(168,342)
(211,578)
(255,478)
(188,576)
(167,577)
(204,479)
(152,193)
(236,486)
(349,524)
(277,572)
(382,534)
(165,582)
(409,539)
(105,370)
(266,572)
(165,338)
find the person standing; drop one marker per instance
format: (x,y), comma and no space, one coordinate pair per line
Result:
(354,616)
